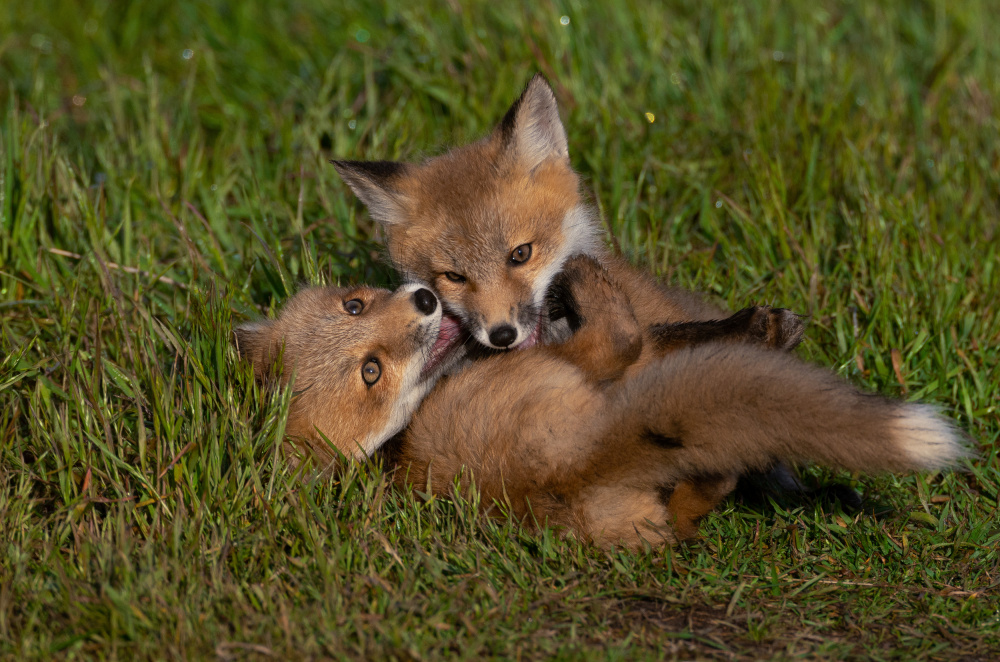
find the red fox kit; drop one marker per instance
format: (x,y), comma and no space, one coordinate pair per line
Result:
(569,436)
(490,224)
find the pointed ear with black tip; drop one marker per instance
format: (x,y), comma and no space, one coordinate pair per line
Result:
(532,127)
(255,342)
(375,184)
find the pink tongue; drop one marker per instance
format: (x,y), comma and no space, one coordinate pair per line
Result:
(449,330)
(448,336)
(531,340)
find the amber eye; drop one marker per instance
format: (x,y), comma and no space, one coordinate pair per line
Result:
(453,277)
(371,371)
(354,306)
(520,254)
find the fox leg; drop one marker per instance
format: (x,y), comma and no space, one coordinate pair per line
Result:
(628,513)
(693,498)
(606,337)
(625,515)
(778,328)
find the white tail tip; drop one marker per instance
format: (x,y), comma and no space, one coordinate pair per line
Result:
(929,440)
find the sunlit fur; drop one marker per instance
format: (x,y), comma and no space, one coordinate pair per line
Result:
(464,211)
(570,435)
(323,350)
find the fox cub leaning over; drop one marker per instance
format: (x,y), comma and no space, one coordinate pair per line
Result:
(489,225)
(563,435)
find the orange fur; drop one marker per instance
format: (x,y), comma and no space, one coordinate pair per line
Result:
(464,212)
(567,436)
(633,428)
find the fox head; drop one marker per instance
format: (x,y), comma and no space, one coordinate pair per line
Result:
(361,358)
(488,225)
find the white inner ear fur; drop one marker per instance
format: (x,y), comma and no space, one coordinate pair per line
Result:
(385,207)
(539,132)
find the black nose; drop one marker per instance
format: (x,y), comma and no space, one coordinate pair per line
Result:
(503,335)
(425,301)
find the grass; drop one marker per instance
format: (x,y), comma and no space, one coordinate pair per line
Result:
(163,176)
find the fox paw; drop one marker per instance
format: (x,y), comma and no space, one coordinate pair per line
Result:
(584,293)
(605,336)
(778,328)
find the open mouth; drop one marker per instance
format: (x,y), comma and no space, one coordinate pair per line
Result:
(532,338)
(450,336)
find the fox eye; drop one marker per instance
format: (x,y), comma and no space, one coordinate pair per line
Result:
(453,277)
(520,254)
(354,306)
(371,371)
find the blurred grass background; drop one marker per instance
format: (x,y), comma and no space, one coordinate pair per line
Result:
(163,175)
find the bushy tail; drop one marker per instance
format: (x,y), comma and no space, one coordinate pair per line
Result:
(727,409)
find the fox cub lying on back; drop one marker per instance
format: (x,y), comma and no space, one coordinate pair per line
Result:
(569,434)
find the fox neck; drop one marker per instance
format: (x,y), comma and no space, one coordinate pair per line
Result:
(407,403)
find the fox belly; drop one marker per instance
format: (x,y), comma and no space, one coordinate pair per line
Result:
(509,433)
(640,460)
(545,450)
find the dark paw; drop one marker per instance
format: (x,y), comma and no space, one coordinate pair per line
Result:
(778,328)
(584,290)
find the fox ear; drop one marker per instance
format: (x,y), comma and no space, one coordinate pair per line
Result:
(255,343)
(375,184)
(532,126)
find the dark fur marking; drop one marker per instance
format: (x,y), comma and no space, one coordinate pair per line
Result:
(378,172)
(508,124)
(558,497)
(672,336)
(509,121)
(754,324)
(662,440)
(562,303)
(665,492)
(296,394)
